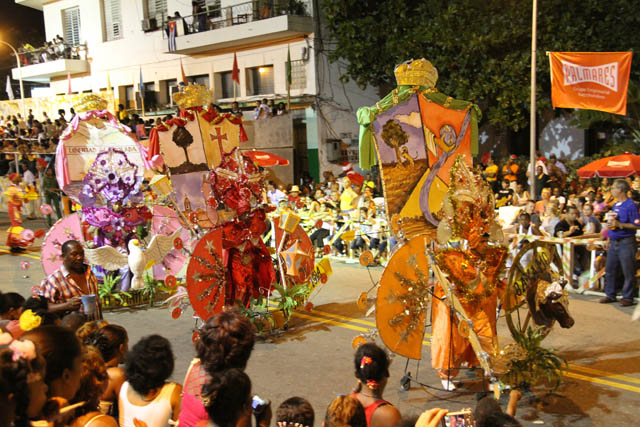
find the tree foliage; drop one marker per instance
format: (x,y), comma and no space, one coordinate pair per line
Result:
(482,49)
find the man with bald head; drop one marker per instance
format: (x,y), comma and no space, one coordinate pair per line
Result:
(65,287)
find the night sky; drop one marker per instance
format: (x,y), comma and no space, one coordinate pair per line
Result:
(18,25)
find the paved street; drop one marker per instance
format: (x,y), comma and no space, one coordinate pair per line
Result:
(314,358)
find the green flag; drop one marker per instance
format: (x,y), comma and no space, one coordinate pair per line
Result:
(288,66)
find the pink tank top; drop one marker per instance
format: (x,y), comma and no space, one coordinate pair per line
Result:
(193,410)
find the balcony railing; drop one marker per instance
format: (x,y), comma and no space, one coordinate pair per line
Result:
(217,17)
(52,51)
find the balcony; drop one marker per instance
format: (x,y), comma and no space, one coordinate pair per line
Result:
(35,4)
(241,25)
(56,58)
(43,72)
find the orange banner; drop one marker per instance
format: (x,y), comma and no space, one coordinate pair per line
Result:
(590,80)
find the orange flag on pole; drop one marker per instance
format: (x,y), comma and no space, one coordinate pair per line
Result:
(183,78)
(590,80)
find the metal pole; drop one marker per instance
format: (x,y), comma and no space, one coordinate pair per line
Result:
(532,118)
(24,114)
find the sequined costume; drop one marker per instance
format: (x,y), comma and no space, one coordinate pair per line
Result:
(472,257)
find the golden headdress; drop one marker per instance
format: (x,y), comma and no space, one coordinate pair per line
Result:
(468,208)
(90,102)
(416,73)
(193,96)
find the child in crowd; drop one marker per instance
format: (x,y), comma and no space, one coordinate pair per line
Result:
(295,412)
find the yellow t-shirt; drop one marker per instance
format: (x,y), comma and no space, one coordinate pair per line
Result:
(346,199)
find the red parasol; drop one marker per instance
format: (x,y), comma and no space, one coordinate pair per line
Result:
(264,159)
(626,164)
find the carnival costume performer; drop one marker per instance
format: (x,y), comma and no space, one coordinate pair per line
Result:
(15,195)
(472,258)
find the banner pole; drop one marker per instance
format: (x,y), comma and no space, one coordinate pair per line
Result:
(532,118)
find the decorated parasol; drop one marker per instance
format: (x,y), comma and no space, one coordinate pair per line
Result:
(67,228)
(626,164)
(264,159)
(206,276)
(404,297)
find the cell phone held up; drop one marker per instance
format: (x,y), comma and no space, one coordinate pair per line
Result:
(462,418)
(258,405)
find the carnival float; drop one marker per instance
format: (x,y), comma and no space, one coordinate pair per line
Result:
(180,219)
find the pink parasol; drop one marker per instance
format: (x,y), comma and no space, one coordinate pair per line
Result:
(67,228)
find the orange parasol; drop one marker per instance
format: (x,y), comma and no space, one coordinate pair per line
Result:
(626,164)
(264,159)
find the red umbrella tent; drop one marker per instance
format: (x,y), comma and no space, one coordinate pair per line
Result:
(264,159)
(612,167)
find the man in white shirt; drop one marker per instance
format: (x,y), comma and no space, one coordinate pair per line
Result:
(274,194)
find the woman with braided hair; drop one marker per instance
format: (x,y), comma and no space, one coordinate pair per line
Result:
(372,373)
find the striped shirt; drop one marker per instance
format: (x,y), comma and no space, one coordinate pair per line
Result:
(59,287)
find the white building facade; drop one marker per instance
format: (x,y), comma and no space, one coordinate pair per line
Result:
(128,39)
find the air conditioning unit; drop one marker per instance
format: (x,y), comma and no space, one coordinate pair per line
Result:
(334,150)
(150,24)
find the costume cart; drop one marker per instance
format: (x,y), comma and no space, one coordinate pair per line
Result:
(443,215)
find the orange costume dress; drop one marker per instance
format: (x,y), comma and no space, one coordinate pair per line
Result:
(472,257)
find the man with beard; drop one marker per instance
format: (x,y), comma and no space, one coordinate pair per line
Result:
(65,287)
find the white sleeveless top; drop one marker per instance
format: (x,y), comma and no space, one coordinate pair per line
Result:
(155,414)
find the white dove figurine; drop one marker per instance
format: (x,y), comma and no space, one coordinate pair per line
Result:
(110,258)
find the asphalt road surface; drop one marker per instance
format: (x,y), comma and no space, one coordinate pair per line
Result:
(314,358)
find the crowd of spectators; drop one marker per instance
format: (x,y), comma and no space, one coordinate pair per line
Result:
(267,108)
(84,374)
(52,50)
(576,208)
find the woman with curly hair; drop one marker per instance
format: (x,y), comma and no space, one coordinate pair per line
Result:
(92,384)
(226,341)
(372,372)
(345,411)
(146,396)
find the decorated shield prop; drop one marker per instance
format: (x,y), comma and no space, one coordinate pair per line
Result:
(190,147)
(206,276)
(67,228)
(89,134)
(404,297)
(417,133)
(165,221)
(297,252)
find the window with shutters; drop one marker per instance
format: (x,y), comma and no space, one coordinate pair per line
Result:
(112,20)
(157,9)
(213,8)
(71,23)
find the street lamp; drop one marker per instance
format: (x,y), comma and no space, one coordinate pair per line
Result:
(24,114)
